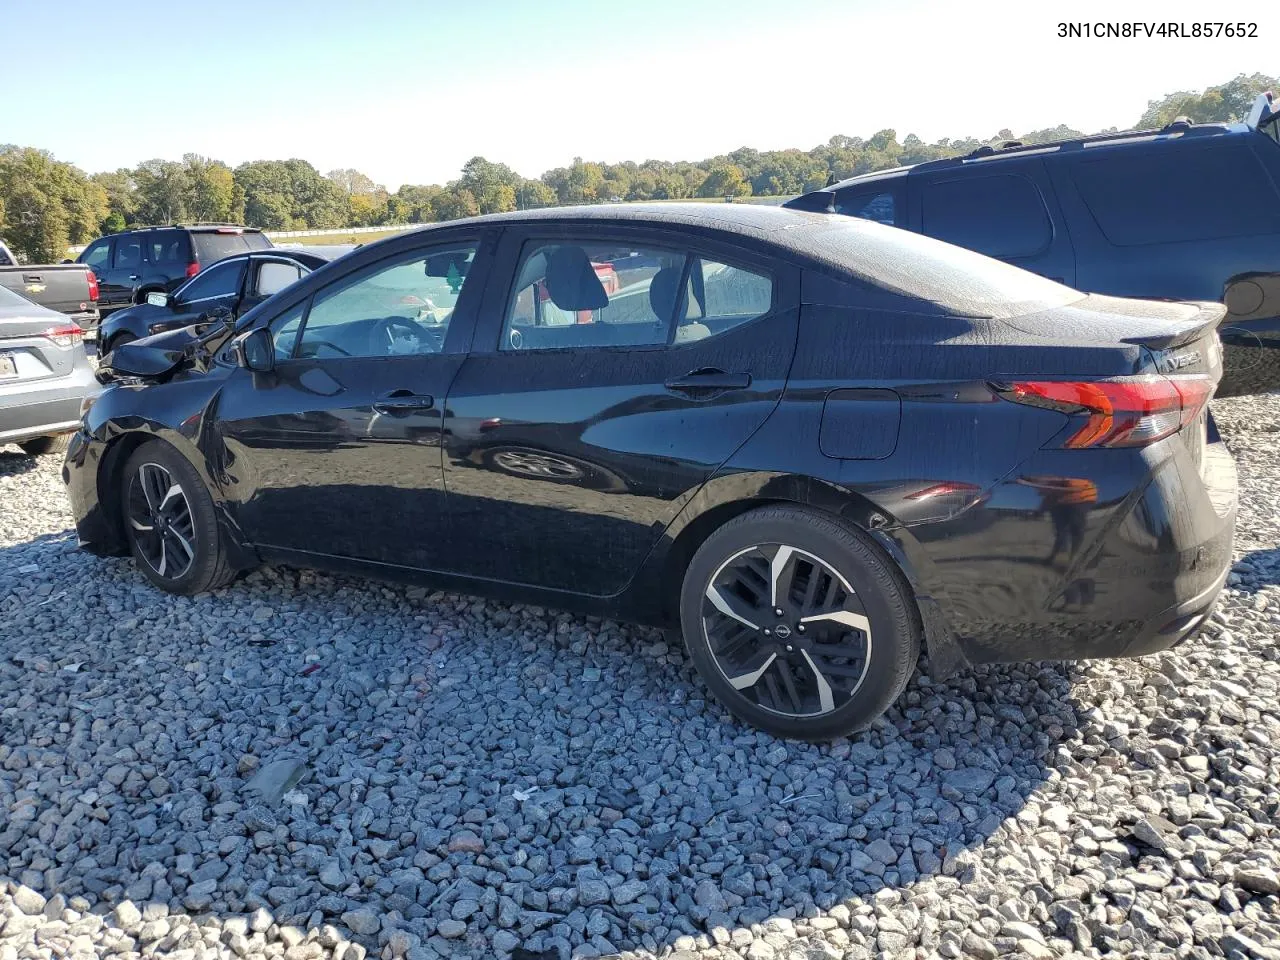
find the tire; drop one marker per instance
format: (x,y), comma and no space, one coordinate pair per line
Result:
(164,541)
(119,340)
(44,446)
(866,656)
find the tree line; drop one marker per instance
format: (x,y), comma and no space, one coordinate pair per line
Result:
(46,205)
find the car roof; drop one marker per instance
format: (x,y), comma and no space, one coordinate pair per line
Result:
(1177,132)
(767,223)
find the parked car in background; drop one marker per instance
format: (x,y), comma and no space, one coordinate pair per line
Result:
(1188,212)
(810,442)
(237,284)
(44,375)
(143,260)
(68,288)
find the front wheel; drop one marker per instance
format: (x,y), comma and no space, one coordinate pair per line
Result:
(170,522)
(799,624)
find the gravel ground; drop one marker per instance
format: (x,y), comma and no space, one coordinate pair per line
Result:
(315,766)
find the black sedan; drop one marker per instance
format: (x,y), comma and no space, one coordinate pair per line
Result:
(810,443)
(237,283)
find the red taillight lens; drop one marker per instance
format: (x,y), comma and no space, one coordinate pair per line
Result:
(1129,412)
(67,336)
(193,268)
(93,285)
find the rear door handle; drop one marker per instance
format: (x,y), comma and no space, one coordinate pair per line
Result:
(708,379)
(402,401)
(32,278)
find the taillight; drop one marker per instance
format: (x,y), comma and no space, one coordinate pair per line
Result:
(1127,412)
(193,268)
(68,336)
(93,285)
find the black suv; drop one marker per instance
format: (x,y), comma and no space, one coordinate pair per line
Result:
(1189,212)
(143,260)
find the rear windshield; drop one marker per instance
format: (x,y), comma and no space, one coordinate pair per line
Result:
(957,280)
(211,247)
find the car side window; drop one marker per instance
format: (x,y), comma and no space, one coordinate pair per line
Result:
(128,252)
(220,280)
(1000,215)
(397,308)
(878,206)
(167,248)
(97,256)
(720,297)
(274,276)
(284,331)
(571,294)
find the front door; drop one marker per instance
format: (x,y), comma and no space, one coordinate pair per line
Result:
(608,381)
(216,288)
(336,453)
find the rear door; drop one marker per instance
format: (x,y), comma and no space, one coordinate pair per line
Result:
(117,288)
(168,254)
(613,371)
(1005,209)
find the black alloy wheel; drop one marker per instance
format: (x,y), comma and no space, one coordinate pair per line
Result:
(159,515)
(168,517)
(787,630)
(799,623)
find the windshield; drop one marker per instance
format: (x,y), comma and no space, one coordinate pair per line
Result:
(956,279)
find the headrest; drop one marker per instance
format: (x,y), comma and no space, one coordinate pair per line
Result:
(572,284)
(664,288)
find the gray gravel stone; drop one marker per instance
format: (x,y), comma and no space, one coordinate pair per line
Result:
(475,777)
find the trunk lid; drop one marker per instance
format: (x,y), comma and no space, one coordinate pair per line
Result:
(27,353)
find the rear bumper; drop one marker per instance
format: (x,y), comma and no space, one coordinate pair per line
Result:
(1135,571)
(44,408)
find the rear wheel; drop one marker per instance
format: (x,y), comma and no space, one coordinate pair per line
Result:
(798,623)
(43,446)
(170,521)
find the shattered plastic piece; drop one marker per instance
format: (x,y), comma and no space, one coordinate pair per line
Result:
(523,795)
(309,669)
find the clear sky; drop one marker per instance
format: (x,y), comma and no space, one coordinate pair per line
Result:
(408,90)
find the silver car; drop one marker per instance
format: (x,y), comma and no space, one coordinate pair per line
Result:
(45,375)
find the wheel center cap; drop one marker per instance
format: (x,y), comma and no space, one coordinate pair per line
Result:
(782,631)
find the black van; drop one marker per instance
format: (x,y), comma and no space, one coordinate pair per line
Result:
(1189,212)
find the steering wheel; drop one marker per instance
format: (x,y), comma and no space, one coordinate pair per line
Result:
(382,339)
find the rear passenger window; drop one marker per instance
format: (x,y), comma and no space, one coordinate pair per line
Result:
(879,207)
(1175,192)
(128,252)
(618,295)
(1002,216)
(167,249)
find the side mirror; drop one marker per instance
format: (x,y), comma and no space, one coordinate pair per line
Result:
(256,351)
(158,299)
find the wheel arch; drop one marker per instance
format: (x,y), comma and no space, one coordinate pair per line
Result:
(110,479)
(715,505)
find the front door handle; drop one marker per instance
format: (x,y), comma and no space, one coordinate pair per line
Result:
(403,402)
(708,379)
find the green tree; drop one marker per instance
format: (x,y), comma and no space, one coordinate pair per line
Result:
(1226,103)
(46,204)
(456,204)
(725,180)
(163,191)
(352,182)
(413,204)
(122,193)
(113,222)
(210,188)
